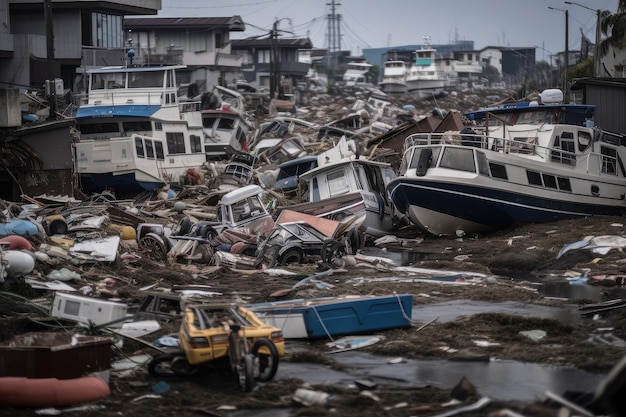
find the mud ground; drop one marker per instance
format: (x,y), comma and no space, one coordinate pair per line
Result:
(507,257)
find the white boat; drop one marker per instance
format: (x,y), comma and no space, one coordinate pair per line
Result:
(425,79)
(225,124)
(394,77)
(134,133)
(342,174)
(520,163)
(356,73)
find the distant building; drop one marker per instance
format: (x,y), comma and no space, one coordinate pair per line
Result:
(257,63)
(203,44)
(82,31)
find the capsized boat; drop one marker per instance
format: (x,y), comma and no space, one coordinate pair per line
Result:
(523,162)
(328,317)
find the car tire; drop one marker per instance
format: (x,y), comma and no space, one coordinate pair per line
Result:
(182,227)
(291,256)
(154,245)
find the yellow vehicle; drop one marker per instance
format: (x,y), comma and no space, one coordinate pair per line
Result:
(224,336)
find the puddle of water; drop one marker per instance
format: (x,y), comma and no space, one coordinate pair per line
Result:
(509,381)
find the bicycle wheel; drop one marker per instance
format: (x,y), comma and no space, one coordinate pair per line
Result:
(266,364)
(244,377)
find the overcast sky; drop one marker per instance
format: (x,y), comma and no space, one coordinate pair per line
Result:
(382,23)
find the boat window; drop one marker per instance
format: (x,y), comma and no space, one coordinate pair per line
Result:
(337,183)
(549,181)
(534,178)
(483,163)
(142,79)
(564,149)
(584,140)
(149,149)
(107,81)
(208,122)
(315,190)
(416,156)
(158,150)
(498,171)
(175,142)
(196,144)
(226,124)
(241,136)
(534,117)
(141,126)
(609,160)
(139,148)
(458,158)
(99,128)
(564,184)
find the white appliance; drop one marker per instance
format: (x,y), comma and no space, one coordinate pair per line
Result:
(86,310)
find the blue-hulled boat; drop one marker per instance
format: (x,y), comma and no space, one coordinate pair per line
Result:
(329,317)
(526,162)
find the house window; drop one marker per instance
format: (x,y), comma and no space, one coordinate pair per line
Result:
(218,40)
(158,126)
(107,30)
(175,142)
(264,56)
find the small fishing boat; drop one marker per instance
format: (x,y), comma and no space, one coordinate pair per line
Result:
(328,317)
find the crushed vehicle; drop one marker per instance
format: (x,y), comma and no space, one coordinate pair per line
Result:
(301,238)
(242,208)
(220,337)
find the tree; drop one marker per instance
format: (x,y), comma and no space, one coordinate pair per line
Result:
(492,74)
(583,69)
(613,26)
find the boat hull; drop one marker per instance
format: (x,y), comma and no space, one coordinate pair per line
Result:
(336,316)
(424,89)
(393,87)
(444,208)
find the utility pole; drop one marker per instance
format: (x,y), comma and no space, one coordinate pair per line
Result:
(596,54)
(565,89)
(334,42)
(50,84)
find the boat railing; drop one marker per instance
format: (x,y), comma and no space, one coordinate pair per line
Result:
(529,146)
(521,145)
(125,96)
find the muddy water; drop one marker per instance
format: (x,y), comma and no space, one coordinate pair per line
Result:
(509,381)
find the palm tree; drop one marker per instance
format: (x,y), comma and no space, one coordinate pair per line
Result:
(613,26)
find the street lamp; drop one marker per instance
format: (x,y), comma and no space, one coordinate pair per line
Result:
(565,93)
(596,54)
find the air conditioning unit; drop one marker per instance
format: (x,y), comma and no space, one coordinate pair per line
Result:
(55,87)
(88,310)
